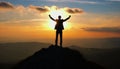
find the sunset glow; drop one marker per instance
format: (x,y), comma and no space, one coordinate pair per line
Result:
(31,21)
(55,13)
(63,34)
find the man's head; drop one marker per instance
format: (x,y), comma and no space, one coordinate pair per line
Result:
(59,17)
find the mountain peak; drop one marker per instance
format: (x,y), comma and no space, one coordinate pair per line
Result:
(55,57)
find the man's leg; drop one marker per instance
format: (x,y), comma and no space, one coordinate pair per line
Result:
(61,38)
(56,39)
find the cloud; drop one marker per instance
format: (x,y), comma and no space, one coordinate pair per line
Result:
(40,9)
(48,9)
(6,5)
(86,2)
(20,8)
(21,12)
(74,10)
(75,1)
(103,29)
(114,0)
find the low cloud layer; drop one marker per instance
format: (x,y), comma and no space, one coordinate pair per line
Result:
(40,9)
(103,29)
(6,5)
(66,9)
(78,1)
(114,0)
(74,10)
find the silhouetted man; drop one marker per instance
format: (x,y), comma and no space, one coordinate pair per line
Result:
(59,27)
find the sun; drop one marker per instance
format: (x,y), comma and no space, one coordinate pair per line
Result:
(55,13)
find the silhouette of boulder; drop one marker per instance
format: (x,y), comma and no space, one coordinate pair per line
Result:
(56,57)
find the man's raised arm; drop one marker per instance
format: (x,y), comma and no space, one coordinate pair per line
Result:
(67,18)
(51,18)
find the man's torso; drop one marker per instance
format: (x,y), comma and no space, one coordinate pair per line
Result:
(59,24)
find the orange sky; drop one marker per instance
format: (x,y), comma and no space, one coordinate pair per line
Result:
(30,24)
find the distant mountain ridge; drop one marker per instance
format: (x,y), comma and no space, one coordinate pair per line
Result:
(94,42)
(23,44)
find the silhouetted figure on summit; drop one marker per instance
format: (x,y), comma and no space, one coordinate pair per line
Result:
(59,27)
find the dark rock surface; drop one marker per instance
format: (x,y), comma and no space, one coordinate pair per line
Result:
(56,57)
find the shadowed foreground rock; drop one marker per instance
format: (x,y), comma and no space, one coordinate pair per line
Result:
(56,57)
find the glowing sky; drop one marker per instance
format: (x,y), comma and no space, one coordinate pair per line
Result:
(28,19)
